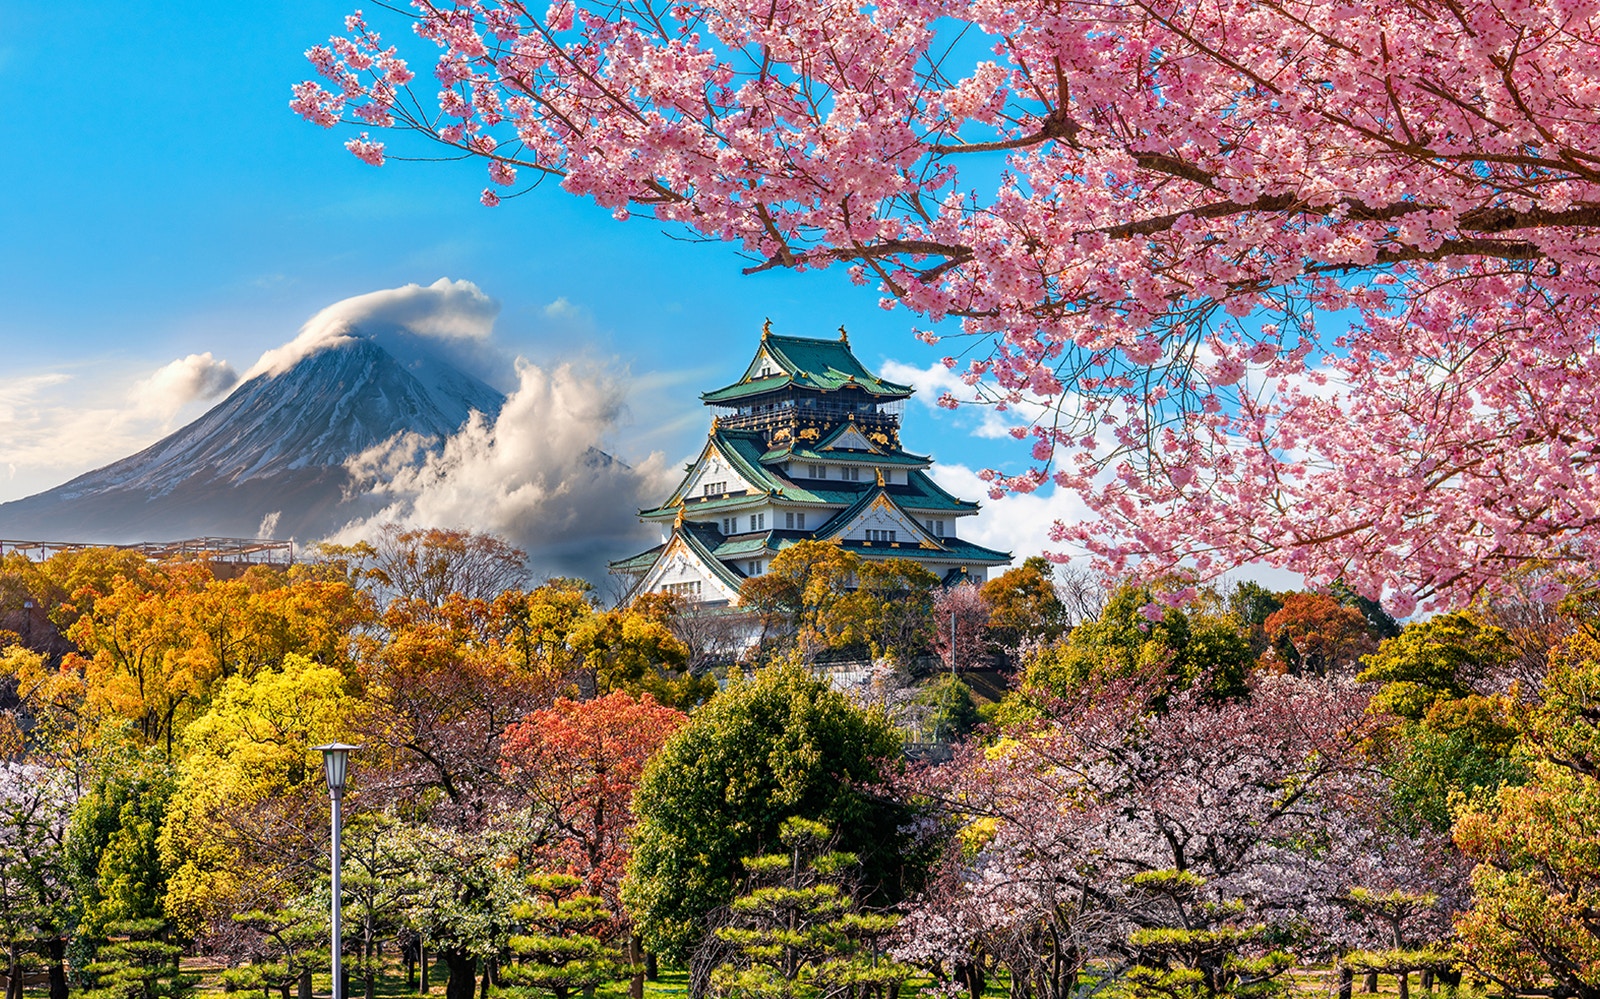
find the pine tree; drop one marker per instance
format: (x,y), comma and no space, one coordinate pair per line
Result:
(561,951)
(797,933)
(139,963)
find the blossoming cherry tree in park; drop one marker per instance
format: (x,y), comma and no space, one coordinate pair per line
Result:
(1297,281)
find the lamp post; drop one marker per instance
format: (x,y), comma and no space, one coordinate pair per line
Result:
(336,766)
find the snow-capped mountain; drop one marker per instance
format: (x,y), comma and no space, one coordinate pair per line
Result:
(272,453)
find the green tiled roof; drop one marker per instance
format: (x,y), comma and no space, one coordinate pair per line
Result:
(819,365)
(638,563)
(955,550)
(895,458)
(744,451)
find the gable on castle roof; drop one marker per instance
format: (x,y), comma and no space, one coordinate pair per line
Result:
(820,365)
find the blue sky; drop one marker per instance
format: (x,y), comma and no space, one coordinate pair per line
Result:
(160,200)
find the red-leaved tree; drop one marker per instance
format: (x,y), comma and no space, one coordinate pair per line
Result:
(577,764)
(1298,281)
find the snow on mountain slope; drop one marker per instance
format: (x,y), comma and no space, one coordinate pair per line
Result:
(277,445)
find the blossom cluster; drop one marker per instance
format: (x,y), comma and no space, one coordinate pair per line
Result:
(1303,282)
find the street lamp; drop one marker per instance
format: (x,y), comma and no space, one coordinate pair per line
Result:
(336,766)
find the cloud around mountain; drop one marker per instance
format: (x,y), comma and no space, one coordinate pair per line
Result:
(385,407)
(451,320)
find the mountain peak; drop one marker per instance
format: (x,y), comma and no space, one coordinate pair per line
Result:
(277,444)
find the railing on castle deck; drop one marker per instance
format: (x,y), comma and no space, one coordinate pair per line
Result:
(246,551)
(770,419)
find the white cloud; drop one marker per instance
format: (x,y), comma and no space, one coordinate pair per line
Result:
(186,380)
(1016,522)
(58,424)
(563,310)
(454,315)
(984,418)
(536,476)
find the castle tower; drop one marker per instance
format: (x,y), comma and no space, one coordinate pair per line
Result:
(804,446)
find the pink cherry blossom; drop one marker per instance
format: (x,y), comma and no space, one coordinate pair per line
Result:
(1391,209)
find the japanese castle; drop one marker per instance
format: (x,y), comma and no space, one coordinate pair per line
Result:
(804,446)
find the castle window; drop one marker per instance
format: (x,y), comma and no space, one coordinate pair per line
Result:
(758,522)
(691,589)
(873,535)
(850,474)
(728,524)
(937,527)
(788,520)
(753,568)
(715,488)
(800,521)
(817,471)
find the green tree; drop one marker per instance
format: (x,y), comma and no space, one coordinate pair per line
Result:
(139,962)
(459,896)
(797,933)
(1440,658)
(1136,636)
(779,745)
(1202,948)
(559,949)
(112,853)
(1462,750)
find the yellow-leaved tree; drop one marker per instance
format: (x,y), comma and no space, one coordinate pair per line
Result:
(250,802)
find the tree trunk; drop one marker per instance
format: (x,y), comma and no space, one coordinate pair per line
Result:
(651,971)
(422,962)
(409,955)
(636,965)
(463,974)
(305,983)
(487,971)
(1405,984)
(58,967)
(1371,983)
(13,973)
(1427,979)
(1347,980)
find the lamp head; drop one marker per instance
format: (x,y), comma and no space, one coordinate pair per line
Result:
(336,764)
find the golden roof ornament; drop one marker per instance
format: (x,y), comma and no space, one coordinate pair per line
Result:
(716,423)
(880,478)
(844,337)
(766,328)
(677,521)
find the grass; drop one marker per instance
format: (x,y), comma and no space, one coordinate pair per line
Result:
(673,983)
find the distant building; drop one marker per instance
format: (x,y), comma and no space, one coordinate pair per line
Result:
(805,446)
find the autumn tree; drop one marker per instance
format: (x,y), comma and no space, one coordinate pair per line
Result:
(577,765)
(1023,603)
(889,610)
(796,594)
(248,811)
(1316,634)
(1537,884)
(1450,656)
(782,744)
(430,564)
